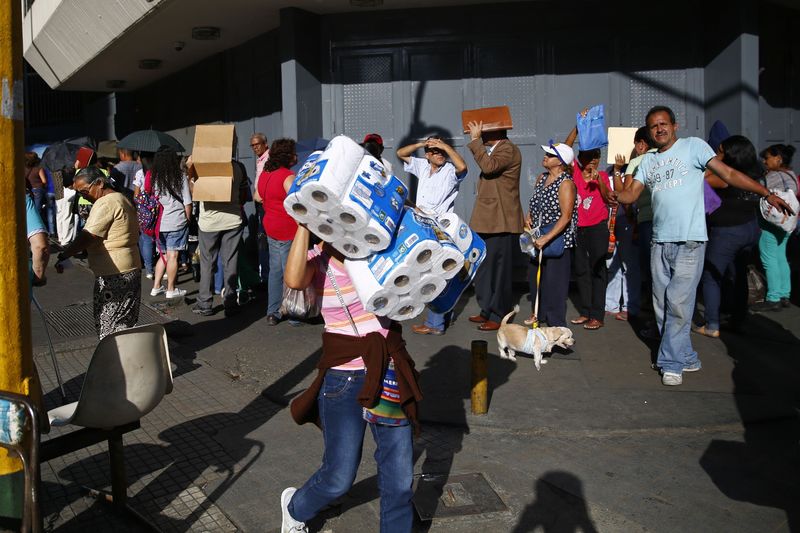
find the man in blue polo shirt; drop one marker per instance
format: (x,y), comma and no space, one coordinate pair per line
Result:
(674,176)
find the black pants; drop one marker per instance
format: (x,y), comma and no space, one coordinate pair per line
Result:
(591,272)
(554,288)
(493,279)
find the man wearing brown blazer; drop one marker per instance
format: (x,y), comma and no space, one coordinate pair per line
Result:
(497,218)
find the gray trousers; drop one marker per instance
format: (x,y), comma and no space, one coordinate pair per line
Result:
(213,244)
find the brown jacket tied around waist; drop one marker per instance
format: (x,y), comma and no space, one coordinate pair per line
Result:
(375,350)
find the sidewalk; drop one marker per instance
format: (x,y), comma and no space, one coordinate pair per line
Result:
(592,441)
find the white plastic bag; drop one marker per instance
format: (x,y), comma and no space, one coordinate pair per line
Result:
(774,216)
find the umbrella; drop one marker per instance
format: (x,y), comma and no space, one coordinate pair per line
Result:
(149,141)
(304,149)
(60,155)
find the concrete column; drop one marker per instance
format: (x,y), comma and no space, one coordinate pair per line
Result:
(301,84)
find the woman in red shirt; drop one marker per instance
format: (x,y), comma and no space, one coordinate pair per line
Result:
(280,228)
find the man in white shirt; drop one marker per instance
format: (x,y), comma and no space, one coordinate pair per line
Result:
(260,146)
(439,176)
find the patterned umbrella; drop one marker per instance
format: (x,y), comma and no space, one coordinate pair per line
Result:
(149,141)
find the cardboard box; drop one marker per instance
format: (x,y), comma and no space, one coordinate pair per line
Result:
(620,141)
(211,156)
(493,118)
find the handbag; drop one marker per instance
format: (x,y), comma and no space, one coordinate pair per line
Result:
(554,248)
(301,304)
(148,207)
(387,411)
(592,128)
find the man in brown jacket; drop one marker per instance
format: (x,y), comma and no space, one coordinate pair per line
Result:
(497,217)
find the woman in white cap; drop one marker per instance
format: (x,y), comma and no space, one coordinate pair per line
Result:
(553,209)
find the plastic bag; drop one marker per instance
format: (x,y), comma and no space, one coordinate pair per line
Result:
(592,129)
(756,285)
(774,216)
(711,199)
(300,304)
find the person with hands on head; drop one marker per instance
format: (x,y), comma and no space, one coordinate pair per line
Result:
(554,200)
(439,176)
(591,272)
(674,175)
(497,218)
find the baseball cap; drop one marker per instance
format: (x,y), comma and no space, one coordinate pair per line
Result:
(374,137)
(562,151)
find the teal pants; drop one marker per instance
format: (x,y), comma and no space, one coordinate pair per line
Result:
(772,248)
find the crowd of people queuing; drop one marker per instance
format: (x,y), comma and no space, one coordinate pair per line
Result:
(674,215)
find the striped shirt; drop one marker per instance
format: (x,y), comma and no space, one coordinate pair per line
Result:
(336,320)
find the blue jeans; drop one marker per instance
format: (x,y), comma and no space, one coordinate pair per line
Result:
(623,270)
(147,248)
(438,320)
(676,269)
(343,432)
(726,252)
(278,254)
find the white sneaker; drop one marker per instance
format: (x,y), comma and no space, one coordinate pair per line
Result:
(156,292)
(671,379)
(289,524)
(177,293)
(149,275)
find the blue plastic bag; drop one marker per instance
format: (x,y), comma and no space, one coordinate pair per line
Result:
(592,129)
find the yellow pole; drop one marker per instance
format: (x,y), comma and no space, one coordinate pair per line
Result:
(480,382)
(16,360)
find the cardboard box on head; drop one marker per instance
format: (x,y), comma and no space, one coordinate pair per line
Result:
(493,118)
(620,141)
(211,156)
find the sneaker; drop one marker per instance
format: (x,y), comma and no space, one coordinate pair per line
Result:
(693,367)
(703,330)
(766,306)
(785,302)
(200,310)
(149,275)
(156,292)
(272,320)
(177,293)
(289,524)
(671,379)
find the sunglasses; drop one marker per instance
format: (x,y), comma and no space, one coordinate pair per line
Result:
(434,151)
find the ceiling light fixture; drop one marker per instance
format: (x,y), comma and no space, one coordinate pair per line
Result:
(149,64)
(205,33)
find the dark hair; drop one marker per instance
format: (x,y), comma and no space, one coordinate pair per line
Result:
(740,154)
(147,160)
(166,172)
(31,159)
(660,109)
(282,154)
(643,134)
(374,149)
(784,151)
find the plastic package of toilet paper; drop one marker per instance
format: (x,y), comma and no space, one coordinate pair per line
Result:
(382,199)
(455,228)
(473,257)
(406,309)
(449,260)
(375,298)
(299,209)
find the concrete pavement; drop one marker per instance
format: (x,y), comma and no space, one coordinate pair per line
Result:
(593,441)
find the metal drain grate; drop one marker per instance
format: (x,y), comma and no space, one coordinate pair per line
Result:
(443,496)
(77,320)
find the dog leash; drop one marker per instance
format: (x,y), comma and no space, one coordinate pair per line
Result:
(536,304)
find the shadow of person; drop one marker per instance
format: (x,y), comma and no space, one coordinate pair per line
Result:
(763,469)
(559,507)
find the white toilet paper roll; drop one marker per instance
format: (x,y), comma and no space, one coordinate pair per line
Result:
(406,309)
(402,279)
(375,298)
(326,228)
(428,287)
(299,210)
(374,236)
(326,181)
(448,262)
(350,215)
(424,255)
(351,247)
(458,230)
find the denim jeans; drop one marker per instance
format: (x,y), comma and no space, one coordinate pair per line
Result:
(438,320)
(772,248)
(278,254)
(624,278)
(676,270)
(343,432)
(727,251)
(147,249)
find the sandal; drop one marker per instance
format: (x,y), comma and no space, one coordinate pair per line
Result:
(593,324)
(580,320)
(622,315)
(713,333)
(529,321)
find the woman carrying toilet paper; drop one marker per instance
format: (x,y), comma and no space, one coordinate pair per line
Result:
(280,228)
(366,378)
(439,176)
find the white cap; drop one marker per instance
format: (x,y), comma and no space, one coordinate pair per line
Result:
(560,150)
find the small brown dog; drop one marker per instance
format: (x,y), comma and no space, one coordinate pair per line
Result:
(512,338)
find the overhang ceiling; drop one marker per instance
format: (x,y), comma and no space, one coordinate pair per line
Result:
(155,34)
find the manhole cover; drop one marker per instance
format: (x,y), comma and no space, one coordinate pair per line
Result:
(78,320)
(443,496)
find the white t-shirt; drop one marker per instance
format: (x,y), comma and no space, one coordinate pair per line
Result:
(436,193)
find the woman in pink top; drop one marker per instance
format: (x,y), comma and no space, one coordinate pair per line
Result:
(272,186)
(591,271)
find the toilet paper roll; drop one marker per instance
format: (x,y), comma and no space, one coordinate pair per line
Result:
(425,254)
(448,262)
(383,200)
(326,228)
(374,236)
(458,230)
(402,279)
(375,298)
(456,286)
(350,215)
(428,287)
(406,309)
(299,210)
(351,247)
(322,184)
